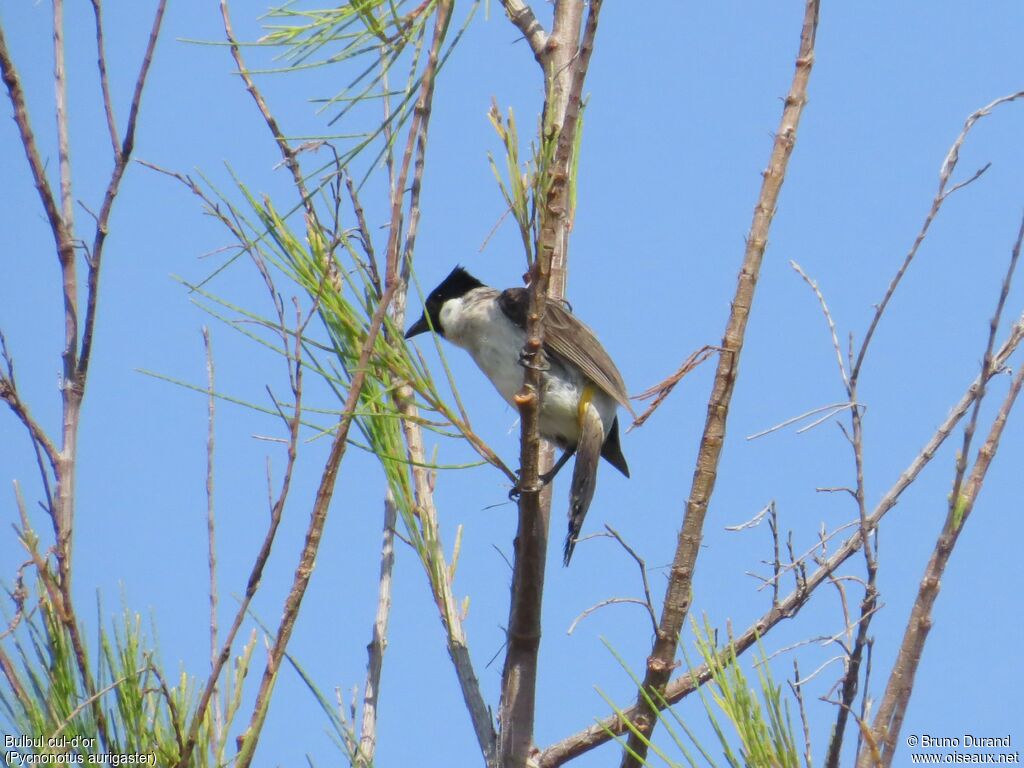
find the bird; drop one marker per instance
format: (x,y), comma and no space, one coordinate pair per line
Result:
(582,388)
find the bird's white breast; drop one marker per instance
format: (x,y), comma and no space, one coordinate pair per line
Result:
(476,323)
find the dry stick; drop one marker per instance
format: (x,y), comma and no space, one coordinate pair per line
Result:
(70,397)
(888,721)
(256,573)
(678,596)
(855,652)
(647,602)
(604,730)
(16,94)
(364,234)
(397,281)
(438,574)
(850,680)
(9,670)
(63,139)
(75,359)
(855,657)
(9,394)
(63,241)
(211,542)
(521,15)
(122,156)
(940,197)
(663,389)
(869,602)
(295,596)
(441,587)
(565,62)
(796,686)
(417,137)
(379,642)
(288,153)
(889,718)
(101,63)
(318,517)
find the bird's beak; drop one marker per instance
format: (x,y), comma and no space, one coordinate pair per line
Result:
(420,326)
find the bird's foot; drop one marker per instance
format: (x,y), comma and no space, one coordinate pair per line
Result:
(519,489)
(529,360)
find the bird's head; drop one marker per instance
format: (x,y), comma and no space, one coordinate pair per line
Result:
(458,283)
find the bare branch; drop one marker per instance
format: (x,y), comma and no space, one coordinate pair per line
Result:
(679,593)
(288,153)
(256,572)
(521,15)
(364,233)
(679,688)
(828,319)
(889,719)
(314,531)
(663,389)
(101,62)
(796,686)
(565,72)
(63,141)
(829,411)
(211,541)
(122,156)
(28,141)
(379,642)
(9,394)
(607,601)
(752,522)
(940,197)
(642,565)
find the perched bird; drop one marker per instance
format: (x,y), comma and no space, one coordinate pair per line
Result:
(582,388)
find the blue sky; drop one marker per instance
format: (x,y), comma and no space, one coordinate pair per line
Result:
(683,99)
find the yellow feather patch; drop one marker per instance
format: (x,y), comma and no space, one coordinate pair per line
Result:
(585,398)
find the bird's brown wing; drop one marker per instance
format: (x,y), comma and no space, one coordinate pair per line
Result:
(571,340)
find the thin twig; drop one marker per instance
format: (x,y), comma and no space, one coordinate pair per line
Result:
(676,690)
(828,319)
(521,15)
(379,642)
(364,233)
(101,62)
(9,394)
(396,276)
(663,389)
(60,83)
(288,153)
(829,411)
(940,197)
(256,572)
(565,68)
(601,604)
(122,156)
(889,719)
(642,565)
(211,541)
(314,532)
(12,80)
(797,688)
(678,596)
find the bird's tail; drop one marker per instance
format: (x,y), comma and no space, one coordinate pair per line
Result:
(584,473)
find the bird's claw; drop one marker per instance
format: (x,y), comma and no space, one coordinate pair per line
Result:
(528,360)
(519,489)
